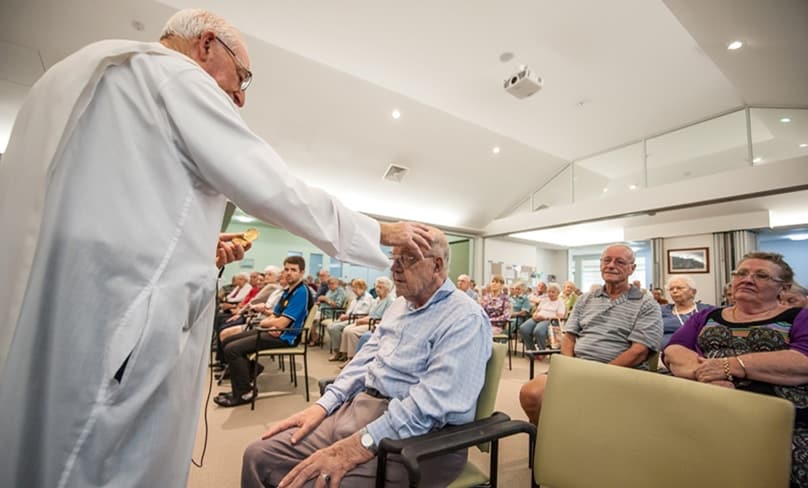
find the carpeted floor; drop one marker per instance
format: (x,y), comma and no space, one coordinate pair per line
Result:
(231,429)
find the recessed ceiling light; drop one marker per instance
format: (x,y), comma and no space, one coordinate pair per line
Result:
(803,145)
(734,45)
(799,237)
(495,150)
(757,159)
(785,120)
(632,187)
(138,25)
(396,114)
(605,190)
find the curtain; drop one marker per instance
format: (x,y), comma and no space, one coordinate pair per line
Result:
(728,249)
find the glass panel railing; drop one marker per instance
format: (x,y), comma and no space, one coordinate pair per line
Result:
(617,171)
(778,134)
(713,146)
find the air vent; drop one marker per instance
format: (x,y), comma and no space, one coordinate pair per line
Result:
(395,173)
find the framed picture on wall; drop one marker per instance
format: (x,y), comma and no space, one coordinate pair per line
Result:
(695,260)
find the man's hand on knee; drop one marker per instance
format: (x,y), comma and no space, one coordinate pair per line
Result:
(329,465)
(306,421)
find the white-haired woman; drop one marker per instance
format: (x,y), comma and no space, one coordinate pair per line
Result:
(534,331)
(796,296)
(682,290)
(359,306)
(352,333)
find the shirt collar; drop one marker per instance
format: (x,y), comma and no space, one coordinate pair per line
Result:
(446,289)
(633,293)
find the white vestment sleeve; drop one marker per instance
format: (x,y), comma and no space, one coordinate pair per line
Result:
(233,160)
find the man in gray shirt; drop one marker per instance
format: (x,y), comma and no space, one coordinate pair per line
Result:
(615,324)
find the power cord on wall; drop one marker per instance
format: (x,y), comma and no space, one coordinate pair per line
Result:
(210,389)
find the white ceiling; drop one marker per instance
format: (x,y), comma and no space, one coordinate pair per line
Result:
(328,75)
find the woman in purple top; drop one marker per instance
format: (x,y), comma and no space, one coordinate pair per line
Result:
(497,304)
(757,344)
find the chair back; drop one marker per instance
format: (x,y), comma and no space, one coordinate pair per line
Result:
(488,395)
(608,426)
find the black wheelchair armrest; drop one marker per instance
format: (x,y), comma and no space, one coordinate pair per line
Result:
(450,439)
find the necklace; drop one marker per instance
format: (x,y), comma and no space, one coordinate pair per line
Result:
(734,308)
(686,314)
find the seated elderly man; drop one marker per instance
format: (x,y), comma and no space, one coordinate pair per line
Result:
(464,283)
(520,302)
(616,324)
(422,369)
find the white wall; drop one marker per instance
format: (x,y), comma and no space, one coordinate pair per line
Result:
(705,282)
(522,254)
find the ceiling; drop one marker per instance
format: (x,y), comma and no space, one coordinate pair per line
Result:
(329,74)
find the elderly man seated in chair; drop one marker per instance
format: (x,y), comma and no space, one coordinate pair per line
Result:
(422,369)
(616,324)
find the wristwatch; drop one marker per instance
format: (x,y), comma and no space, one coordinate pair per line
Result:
(367,440)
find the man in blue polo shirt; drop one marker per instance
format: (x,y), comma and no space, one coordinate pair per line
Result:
(281,329)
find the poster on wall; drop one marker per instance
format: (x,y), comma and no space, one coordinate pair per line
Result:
(694,260)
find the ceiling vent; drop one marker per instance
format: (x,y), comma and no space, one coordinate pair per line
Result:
(395,173)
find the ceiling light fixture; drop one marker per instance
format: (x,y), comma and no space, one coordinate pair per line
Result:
(495,150)
(757,159)
(785,120)
(605,190)
(799,237)
(396,114)
(804,144)
(734,45)
(632,187)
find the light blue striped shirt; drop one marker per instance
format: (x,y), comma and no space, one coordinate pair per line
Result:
(430,360)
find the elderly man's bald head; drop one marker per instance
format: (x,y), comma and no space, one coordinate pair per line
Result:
(418,278)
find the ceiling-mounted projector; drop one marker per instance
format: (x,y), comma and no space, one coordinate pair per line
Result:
(523,83)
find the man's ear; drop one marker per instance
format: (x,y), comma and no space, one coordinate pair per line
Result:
(205,44)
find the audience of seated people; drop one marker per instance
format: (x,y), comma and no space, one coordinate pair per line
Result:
(353,334)
(396,387)
(333,299)
(241,287)
(538,293)
(465,285)
(569,295)
(759,344)
(616,324)
(796,296)
(520,302)
(682,290)
(534,331)
(496,304)
(282,328)
(659,296)
(359,306)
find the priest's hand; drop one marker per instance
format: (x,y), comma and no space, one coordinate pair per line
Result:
(228,251)
(410,235)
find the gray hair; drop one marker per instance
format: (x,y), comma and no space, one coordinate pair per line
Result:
(796,287)
(272,269)
(623,245)
(192,22)
(244,275)
(687,279)
(385,281)
(553,286)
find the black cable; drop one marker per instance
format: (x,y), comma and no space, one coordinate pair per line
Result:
(210,390)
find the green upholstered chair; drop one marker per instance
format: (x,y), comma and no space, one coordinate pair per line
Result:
(609,426)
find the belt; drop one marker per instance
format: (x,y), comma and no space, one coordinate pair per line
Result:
(375,393)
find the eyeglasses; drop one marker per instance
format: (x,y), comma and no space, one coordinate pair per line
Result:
(406,260)
(742,274)
(244,75)
(617,261)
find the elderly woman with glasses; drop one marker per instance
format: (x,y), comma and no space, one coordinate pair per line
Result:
(758,344)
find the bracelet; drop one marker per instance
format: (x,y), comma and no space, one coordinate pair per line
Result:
(743,366)
(726,370)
